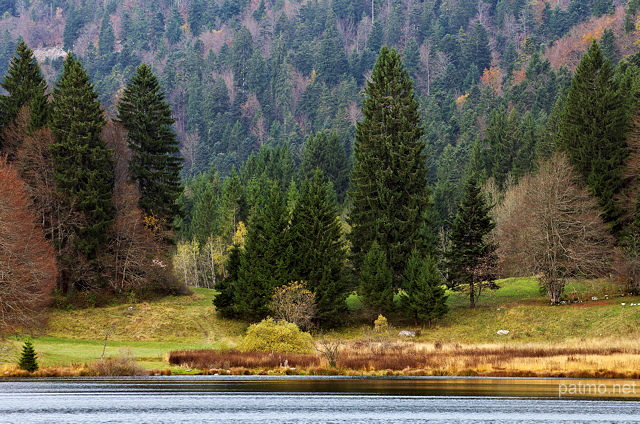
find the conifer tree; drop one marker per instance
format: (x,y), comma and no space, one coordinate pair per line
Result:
(326,152)
(82,162)
(155,164)
(25,85)
(28,359)
(376,281)
(318,246)
(470,258)
(224,300)
(423,295)
(266,261)
(390,193)
(592,130)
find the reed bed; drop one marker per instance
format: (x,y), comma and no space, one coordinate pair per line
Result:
(227,359)
(580,359)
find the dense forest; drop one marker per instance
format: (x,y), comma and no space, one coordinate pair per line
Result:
(296,166)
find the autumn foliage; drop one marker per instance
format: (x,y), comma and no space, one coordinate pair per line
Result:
(28,269)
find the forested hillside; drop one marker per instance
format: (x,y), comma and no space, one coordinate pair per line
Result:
(498,97)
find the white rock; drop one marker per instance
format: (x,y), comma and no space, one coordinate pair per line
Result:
(503,332)
(407,333)
(594,298)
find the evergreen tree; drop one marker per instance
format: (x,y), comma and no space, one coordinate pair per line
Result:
(155,164)
(320,255)
(83,164)
(331,62)
(470,258)
(423,295)
(326,152)
(390,193)
(592,130)
(376,282)
(174,26)
(29,359)
(266,261)
(25,85)
(224,300)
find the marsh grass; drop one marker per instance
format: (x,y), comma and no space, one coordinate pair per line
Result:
(206,359)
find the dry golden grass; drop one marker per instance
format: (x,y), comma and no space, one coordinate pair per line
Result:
(602,358)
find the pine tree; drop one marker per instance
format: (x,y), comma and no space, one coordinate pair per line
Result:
(470,258)
(326,152)
(319,250)
(225,300)
(592,130)
(376,282)
(29,359)
(25,85)
(155,164)
(266,261)
(390,194)
(423,295)
(82,162)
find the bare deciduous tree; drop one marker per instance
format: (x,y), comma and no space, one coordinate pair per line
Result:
(549,226)
(294,303)
(28,269)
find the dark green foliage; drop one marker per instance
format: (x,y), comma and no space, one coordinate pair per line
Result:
(25,86)
(470,257)
(331,62)
(28,359)
(390,193)
(423,296)
(266,261)
(155,165)
(326,152)
(174,24)
(224,300)
(318,248)
(83,164)
(592,130)
(376,282)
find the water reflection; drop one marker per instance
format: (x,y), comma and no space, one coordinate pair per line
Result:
(270,399)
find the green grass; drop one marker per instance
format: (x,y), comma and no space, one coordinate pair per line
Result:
(150,330)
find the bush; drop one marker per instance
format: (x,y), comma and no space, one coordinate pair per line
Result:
(276,336)
(116,366)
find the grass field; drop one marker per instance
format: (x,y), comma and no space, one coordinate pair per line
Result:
(148,331)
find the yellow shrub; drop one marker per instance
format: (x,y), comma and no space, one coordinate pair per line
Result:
(276,336)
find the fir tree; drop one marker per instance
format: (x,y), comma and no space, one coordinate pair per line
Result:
(25,85)
(423,295)
(376,282)
(224,300)
(155,164)
(326,152)
(320,255)
(592,130)
(470,258)
(83,164)
(29,359)
(266,261)
(390,193)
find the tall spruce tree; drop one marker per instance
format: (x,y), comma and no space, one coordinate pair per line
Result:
(423,296)
(155,162)
(25,85)
(376,282)
(82,162)
(390,193)
(592,130)
(470,258)
(320,255)
(266,261)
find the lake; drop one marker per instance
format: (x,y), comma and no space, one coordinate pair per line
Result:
(298,399)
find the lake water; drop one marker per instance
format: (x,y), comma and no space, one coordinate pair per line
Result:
(295,399)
